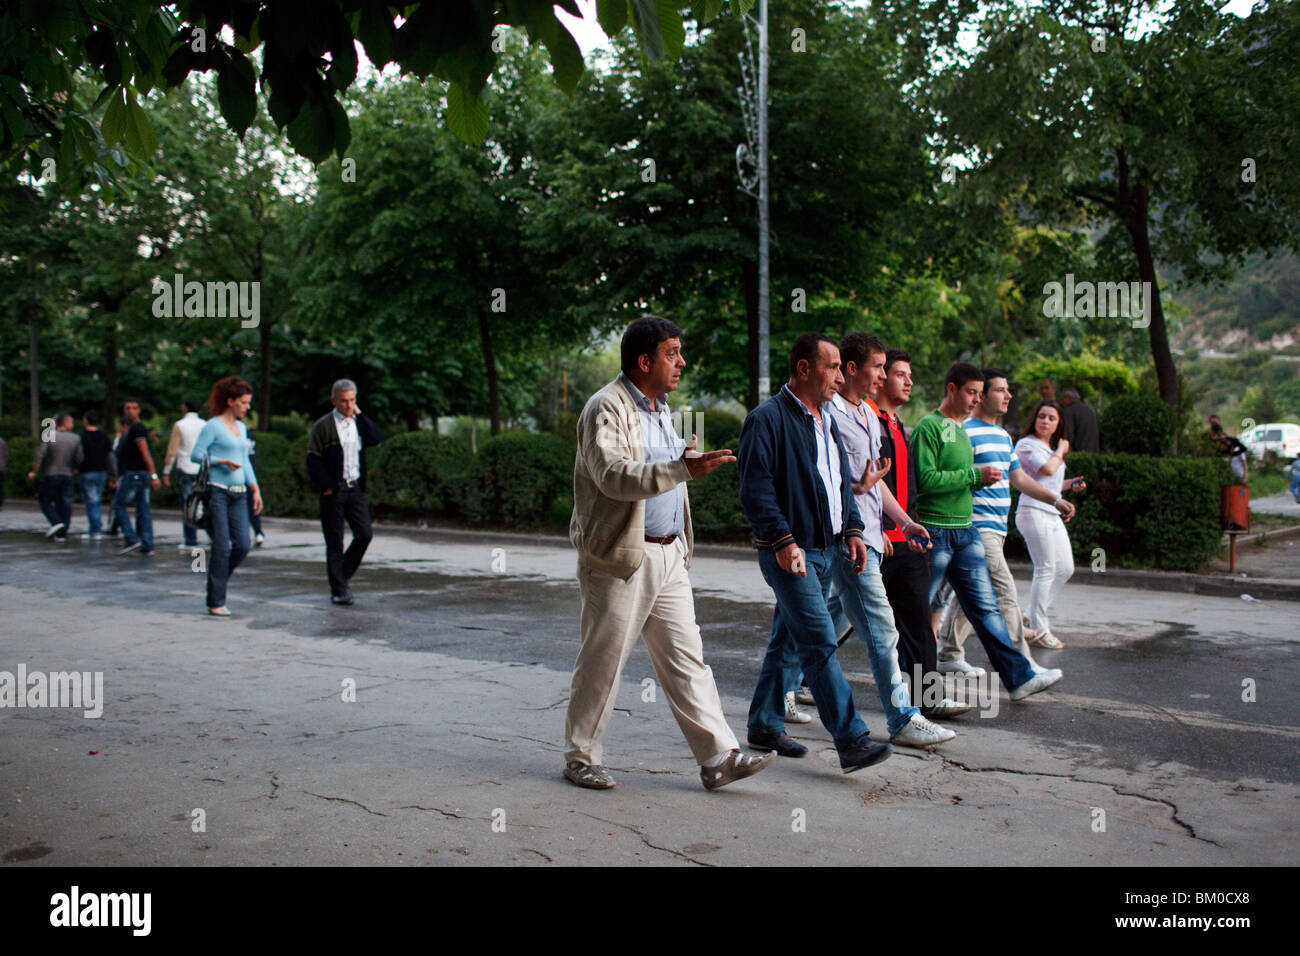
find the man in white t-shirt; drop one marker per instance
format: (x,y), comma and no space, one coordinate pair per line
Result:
(184,433)
(989,507)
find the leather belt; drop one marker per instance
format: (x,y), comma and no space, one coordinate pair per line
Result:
(666,539)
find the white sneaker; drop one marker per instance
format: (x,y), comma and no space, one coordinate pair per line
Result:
(257,542)
(960,667)
(949,708)
(793,715)
(921,733)
(1040,681)
(55,529)
(803,696)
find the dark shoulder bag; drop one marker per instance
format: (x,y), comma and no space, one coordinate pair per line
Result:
(198,506)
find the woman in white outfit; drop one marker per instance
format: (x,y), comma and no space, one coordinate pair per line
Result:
(1042,455)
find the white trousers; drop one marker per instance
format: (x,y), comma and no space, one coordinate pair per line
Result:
(656,603)
(1049,547)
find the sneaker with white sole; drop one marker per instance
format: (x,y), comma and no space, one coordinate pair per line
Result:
(803,696)
(960,667)
(55,529)
(793,715)
(257,541)
(921,733)
(948,708)
(1038,682)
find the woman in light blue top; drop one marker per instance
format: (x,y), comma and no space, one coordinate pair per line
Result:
(224,441)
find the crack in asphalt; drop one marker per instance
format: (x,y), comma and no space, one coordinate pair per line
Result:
(1173,807)
(322,796)
(632,829)
(446,813)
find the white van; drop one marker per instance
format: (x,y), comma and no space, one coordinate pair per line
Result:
(1281,438)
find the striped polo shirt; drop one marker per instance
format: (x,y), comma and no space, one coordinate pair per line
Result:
(992,446)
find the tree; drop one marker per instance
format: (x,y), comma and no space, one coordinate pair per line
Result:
(308,58)
(1165,127)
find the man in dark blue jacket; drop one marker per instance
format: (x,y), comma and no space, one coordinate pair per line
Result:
(797,493)
(336,464)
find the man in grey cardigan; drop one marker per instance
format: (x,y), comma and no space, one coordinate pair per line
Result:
(631,526)
(57,456)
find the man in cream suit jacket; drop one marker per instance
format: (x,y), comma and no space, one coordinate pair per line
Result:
(632,528)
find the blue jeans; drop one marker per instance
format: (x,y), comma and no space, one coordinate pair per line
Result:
(802,634)
(134,486)
(958,553)
(185,488)
(229,542)
(92,493)
(55,496)
(862,599)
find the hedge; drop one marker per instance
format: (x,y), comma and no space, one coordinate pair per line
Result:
(419,472)
(1139,425)
(520,480)
(1142,511)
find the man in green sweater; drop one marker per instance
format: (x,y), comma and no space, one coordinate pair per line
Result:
(946,474)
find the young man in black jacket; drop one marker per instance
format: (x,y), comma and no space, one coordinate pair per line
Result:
(336,464)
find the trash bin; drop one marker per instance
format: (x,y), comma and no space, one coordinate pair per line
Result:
(1234,508)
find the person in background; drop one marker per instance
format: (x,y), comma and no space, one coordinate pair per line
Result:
(1082,426)
(1230,449)
(946,475)
(179,447)
(990,506)
(1041,454)
(254,517)
(336,464)
(56,460)
(1293,471)
(4,467)
(97,468)
(136,478)
(224,440)
(1047,390)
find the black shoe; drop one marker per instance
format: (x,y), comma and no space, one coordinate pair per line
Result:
(783,744)
(343,597)
(864,753)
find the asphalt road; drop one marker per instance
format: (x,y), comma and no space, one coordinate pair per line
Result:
(462,675)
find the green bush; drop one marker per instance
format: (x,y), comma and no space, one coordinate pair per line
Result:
(516,477)
(1139,425)
(716,515)
(1145,512)
(282,475)
(720,430)
(21,451)
(418,472)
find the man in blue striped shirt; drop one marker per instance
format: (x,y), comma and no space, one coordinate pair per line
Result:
(989,507)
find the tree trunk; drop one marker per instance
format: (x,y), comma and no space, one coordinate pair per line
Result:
(489,363)
(750,280)
(33,371)
(111,407)
(264,343)
(1166,374)
(412,419)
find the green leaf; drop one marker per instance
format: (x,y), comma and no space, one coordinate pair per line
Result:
(659,27)
(467,115)
(375,31)
(113,125)
(312,132)
(140,137)
(343,69)
(566,57)
(237,92)
(612,15)
(342,128)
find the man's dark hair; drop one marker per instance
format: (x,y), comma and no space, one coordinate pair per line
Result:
(63,418)
(190,404)
(643,337)
(130,401)
(805,348)
(896,355)
(989,373)
(92,417)
(857,347)
(960,374)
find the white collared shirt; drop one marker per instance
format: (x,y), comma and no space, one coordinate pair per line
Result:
(828,461)
(351,442)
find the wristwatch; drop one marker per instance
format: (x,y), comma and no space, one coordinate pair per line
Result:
(153,477)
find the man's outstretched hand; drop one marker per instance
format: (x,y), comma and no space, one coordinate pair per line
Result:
(703,463)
